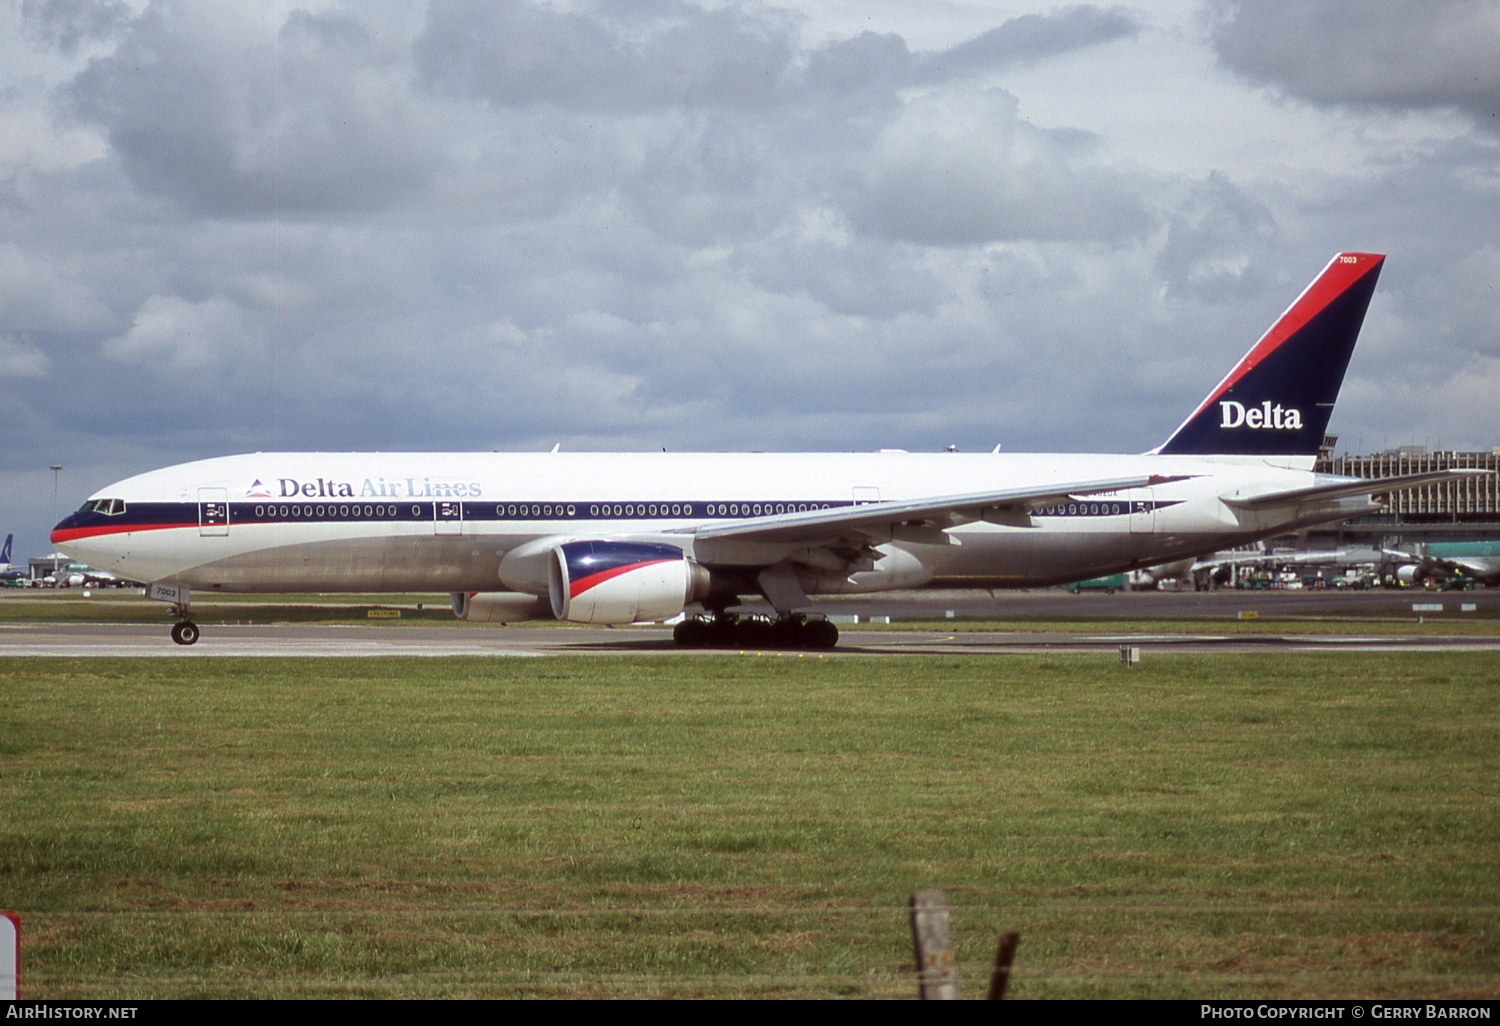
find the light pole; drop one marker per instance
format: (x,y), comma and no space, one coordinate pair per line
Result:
(56,469)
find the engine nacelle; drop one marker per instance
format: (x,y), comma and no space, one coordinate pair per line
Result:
(1409,573)
(500,606)
(622,581)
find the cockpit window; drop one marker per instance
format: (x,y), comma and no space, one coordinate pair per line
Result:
(109,507)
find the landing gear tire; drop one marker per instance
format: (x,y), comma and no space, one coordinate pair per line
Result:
(755,632)
(722,631)
(185,633)
(819,634)
(691,633)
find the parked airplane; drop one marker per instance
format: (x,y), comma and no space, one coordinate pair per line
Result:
(80,575)
(1477,560)
(621,538)
(1220,567)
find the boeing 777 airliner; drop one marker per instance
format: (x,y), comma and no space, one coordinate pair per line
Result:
(622,538)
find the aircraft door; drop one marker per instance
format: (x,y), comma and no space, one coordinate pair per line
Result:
(448,517)
(213,512)
(1142,511)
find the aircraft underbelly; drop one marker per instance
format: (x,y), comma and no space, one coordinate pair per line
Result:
(426,562)
(1039,559)
(399,563)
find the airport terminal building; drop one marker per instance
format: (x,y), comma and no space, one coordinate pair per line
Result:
(1468,508)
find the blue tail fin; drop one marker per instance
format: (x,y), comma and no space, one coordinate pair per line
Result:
(1278,398)
(5,552)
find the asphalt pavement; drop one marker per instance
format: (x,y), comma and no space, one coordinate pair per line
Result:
(1365,612)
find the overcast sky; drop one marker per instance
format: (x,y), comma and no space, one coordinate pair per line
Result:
(695,224)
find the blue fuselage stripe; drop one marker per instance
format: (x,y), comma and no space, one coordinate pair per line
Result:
(148,516)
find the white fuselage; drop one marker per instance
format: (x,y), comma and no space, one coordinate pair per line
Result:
(279,522)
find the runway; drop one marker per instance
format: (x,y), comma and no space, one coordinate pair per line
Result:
(309,642)
(1349,621)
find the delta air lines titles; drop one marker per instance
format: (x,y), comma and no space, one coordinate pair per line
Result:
(369,488)
(1264,417)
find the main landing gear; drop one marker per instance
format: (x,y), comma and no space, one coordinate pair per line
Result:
(727,630)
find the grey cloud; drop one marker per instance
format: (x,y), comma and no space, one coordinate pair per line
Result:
(326,31)
(716,124)
(607,56)
(67,24)
(1391,54)
(185,337)
(960,167)
(845,274)
(1428,367)
(868,61)
(657,261)
(37,298)
(1216,237)
(19,360)
(884,61)
(1031,38)
(206,109)
(655,53)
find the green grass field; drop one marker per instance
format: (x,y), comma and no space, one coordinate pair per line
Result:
(1246,826)
(127,606)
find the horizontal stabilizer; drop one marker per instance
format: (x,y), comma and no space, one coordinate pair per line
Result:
(1364,486)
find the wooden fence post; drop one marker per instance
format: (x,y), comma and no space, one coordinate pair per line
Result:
(1003,959)
(937,969)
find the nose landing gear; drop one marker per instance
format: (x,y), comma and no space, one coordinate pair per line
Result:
(184,631)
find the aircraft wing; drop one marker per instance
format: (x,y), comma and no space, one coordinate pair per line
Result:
(1365,486)
(1005,506)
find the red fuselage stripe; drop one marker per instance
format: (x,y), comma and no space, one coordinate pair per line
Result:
(583,584)
(75,533)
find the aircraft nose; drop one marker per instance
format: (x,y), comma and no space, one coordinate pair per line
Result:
(67,529)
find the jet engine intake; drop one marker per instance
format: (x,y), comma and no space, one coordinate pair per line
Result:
(1411,573)
(622,582)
